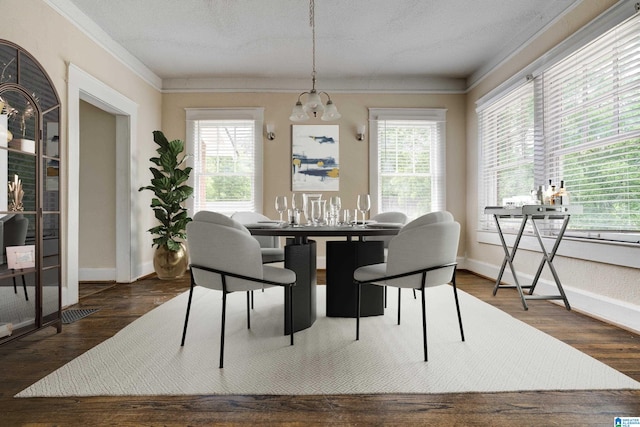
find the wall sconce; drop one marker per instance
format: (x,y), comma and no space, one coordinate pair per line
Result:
(360,132)
(270,132)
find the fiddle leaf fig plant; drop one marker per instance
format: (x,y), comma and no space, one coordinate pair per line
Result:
(170,191)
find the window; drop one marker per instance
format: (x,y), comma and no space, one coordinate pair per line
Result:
(226,150)
(407,160)
(592,128)
(577,121)
(507,152)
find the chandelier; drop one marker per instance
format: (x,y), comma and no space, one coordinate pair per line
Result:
(313,104)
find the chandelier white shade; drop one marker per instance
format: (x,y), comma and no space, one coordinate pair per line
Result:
(313,104)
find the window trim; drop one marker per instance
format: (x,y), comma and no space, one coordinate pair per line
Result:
(376,114)
(243,113)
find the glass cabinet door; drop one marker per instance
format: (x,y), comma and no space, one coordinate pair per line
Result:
(50,224)
(30,259)
(18,199)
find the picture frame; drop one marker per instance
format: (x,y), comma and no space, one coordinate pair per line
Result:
(315,164)
(20,257)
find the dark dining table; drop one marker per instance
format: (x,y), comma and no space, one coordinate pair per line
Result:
(342,258)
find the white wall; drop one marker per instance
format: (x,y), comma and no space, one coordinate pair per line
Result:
(354,154)
(97,240)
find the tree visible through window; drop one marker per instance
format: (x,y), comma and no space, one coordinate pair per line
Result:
(407,173)
(226,170)
(578,121)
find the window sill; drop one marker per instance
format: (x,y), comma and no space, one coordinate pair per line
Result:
(626,254)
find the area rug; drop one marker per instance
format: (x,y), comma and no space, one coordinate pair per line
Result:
(500,353)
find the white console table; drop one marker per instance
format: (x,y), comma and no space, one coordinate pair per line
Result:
(534,213)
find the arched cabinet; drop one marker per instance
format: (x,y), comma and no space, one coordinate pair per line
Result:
(30,264)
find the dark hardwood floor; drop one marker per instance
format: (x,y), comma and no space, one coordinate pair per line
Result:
(26,360)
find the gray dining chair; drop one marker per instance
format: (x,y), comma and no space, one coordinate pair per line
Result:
(430,218)
(422,255)
(224,256)
(389,217)
(14,233)
(270,246)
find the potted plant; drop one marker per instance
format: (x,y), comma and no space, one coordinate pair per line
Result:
(170,191)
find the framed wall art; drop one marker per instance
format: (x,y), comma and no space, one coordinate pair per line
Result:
(19,257)
(315,162)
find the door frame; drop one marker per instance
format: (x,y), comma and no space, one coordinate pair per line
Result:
(83,86)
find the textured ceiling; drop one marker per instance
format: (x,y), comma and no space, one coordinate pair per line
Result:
(370,40)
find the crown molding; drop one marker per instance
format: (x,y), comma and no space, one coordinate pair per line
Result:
(417,85)
(89,28)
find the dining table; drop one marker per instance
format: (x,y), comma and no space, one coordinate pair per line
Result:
(357,248)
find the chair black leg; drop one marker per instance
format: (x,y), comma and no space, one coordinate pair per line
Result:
(385,297)
(399,299)
(252,299)
(224,311)
(424,317)
(249,293)
(186,317)
(291,311)
(358,312)
(424,327)
(414,294)
(455,294)
(24,285)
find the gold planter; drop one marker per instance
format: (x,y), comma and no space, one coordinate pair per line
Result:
(169,264)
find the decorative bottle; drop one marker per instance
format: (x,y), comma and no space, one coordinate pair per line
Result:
(563,195)
(547,194)
(540,195)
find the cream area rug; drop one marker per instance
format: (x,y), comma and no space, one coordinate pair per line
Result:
(500,353)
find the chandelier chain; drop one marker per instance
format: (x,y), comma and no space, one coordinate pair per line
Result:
(313,104)
(312,23)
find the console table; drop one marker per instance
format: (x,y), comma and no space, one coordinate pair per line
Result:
(534,213)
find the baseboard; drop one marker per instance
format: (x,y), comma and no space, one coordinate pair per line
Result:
(145,269)
(615,312)
(96,274)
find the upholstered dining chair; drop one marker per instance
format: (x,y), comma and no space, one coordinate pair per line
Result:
(430,218)
(14,233)
(389,217)
(224,256)
(422,255)
(269,245)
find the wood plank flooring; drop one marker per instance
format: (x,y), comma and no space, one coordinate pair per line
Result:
(26,360)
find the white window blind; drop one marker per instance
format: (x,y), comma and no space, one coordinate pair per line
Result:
(226,174)
(577,121)
(507,154)
(408,165)
(592,128)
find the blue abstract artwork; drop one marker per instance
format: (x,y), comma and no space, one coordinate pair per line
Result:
(315,162)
